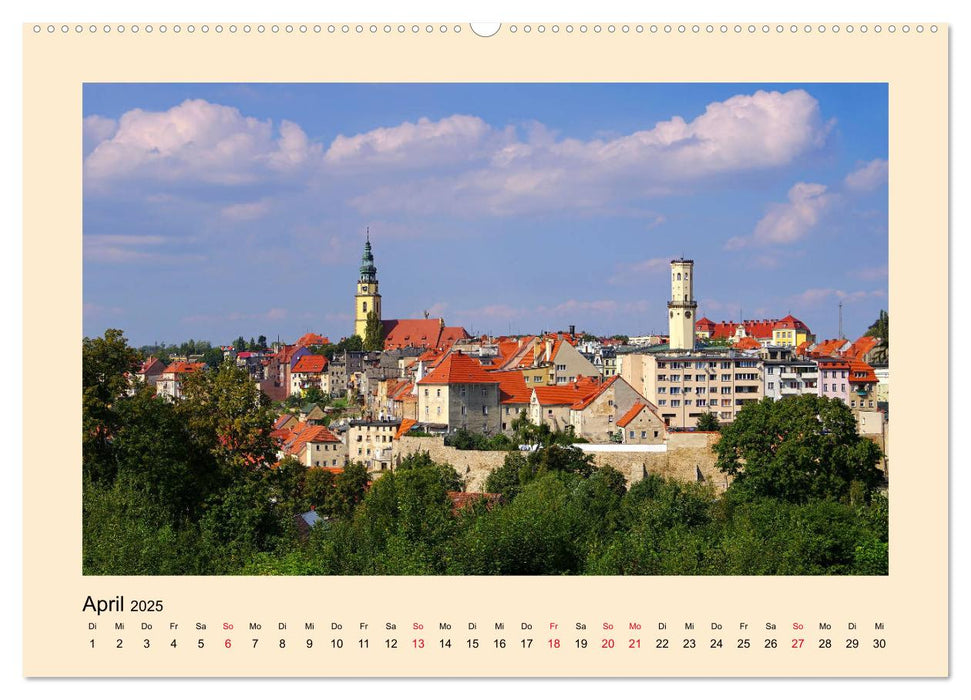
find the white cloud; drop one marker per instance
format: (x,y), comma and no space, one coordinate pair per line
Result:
(790,221)
(629,273)
(246,211)
(453,139)
(868,176)
(816,296)
(745,132)
(197,141)
(124,248)
(95,130)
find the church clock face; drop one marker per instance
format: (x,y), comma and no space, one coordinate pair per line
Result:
(687,314)
(364,288)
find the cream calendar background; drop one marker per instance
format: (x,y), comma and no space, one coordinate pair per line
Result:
(914,596)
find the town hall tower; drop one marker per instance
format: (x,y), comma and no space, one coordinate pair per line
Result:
(682,307)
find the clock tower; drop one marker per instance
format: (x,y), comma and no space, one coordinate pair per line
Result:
(367,298)
(682,307)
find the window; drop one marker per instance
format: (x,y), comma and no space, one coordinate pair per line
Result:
(643,433)
(485,410)
(426,392)
(463,410)
(842,387)
(662,402)
(675,403)
(687,402)
(365,307)
(632,435)
(662,390)
(438,392)
(438,411)
(825,387)
(662,377)
(483,391)
(463,391)
(726,377)
(610,419)
(771,385)
(701,402)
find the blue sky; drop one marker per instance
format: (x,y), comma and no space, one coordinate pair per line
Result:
(212,211)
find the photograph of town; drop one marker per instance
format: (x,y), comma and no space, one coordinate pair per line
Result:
(485,329)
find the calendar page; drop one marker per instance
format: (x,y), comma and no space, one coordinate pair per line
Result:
(534,349)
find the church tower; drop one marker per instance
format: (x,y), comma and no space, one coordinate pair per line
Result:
(367,298)
(681,308)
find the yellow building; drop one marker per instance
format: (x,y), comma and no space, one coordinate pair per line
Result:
(791,332)
(367,298)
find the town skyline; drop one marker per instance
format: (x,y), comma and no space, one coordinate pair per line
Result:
(217,211)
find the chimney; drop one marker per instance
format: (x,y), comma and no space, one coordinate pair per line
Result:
(573,329)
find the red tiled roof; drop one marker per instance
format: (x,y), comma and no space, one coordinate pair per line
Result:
(184,367)
(567,394)
(310,434)
(310,363)
(790,322)
(308,339)
(748,343)
(419,333)
(802,347)
(726,329)
(631,414)
(405,426)
(583,403)
(512,387)
(861,373)
(285,353)
(832,363)
(860,347)
(459,368)
(828,347)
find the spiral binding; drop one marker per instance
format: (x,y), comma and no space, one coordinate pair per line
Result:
(418,29)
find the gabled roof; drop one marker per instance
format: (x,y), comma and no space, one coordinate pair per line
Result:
(429,333)
(631,414)
(828,347)
(309,363)
(459,368)
(152,365)
(512,387)
(309,434)
(748,343)
(860,347)
(566,394)
(598,390)
(308,339)
(790,322)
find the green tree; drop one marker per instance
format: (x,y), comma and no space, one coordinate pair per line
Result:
(314,395)
(797,449)
(226,412)
(261,343)
(349,489)
(239,345)
(213,357)
(107,366)
(373,332)
(881,329)
(707,422)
